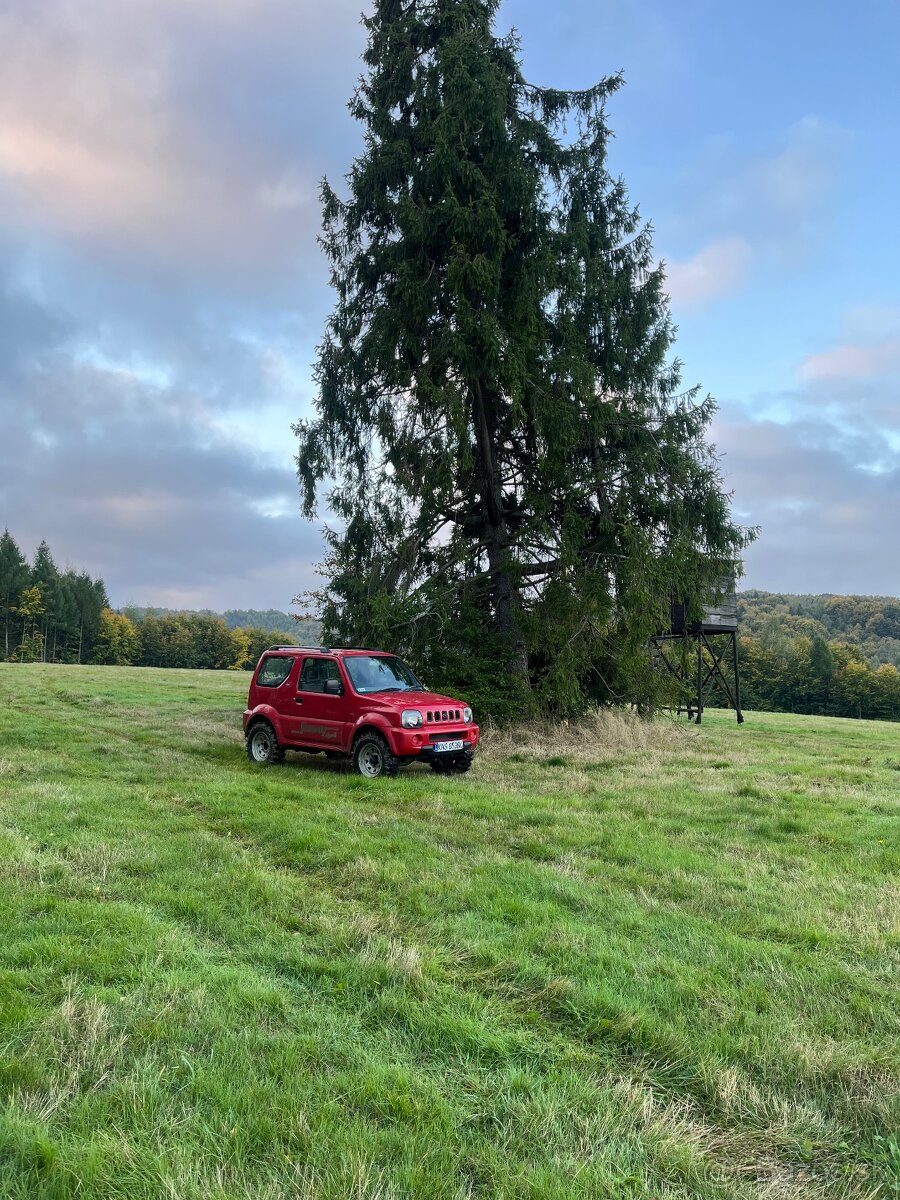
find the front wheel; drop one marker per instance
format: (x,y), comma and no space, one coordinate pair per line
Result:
(372,756)
(262,746)
(452,766)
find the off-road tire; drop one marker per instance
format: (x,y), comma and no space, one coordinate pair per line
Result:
(262,745)
(372,757)
(457,765)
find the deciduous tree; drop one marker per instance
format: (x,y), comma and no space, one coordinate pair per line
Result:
(30,610)
(118,641)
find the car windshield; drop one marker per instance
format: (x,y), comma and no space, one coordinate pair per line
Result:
(381,673)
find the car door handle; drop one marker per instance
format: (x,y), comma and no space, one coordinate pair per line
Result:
(298,699)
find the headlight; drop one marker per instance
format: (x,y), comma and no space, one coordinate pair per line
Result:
(467,716)
(410,718)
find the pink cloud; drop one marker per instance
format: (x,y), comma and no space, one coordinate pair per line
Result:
(852,362)
(105,137)
(717,269)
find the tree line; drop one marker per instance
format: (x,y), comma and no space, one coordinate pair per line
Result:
(806,674)
(48,615)
(64,616)
(197,640)
(790,659)
(869,623)
(271,620)
(824,655)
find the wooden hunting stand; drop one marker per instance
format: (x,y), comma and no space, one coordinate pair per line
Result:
(716,634)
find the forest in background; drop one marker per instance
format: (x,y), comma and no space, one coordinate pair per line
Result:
(870,623)
(823,655)
(64,616)
(271,620)
(47,614)
(828,655)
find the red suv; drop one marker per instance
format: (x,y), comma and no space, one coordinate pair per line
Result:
(364,704)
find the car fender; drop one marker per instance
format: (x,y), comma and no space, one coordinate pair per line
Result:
(271,715)
(379,721)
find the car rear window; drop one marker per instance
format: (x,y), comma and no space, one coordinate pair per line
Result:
(274,671)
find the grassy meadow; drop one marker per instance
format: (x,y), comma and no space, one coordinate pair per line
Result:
(648,961)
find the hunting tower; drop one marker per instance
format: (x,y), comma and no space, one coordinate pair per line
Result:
(704,652)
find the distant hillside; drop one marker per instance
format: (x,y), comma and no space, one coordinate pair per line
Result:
(270,620)
(870,623)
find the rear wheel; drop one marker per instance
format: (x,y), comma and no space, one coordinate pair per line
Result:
(262,745)
(372,756)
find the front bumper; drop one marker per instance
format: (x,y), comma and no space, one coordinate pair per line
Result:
(417,743)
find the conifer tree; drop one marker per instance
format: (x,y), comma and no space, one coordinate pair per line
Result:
(13,578)
(519,480)
(45,575)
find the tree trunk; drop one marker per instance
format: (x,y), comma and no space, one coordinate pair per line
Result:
(504,588)
(507,603)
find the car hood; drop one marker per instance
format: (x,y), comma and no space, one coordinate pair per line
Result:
(414,700)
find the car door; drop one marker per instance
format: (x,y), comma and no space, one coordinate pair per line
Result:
(321,716)
(276,686)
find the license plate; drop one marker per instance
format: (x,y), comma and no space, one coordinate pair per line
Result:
(440,746)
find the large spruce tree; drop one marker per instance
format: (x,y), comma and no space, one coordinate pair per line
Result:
(518,479)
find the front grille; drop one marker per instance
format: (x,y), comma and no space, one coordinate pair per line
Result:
(443,714)
(448,735)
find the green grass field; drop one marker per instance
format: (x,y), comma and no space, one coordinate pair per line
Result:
(649,962)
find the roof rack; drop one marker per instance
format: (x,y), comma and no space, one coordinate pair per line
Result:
(323,649)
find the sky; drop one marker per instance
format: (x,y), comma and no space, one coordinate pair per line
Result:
(162,293)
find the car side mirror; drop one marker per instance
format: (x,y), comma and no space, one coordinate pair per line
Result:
(333,687)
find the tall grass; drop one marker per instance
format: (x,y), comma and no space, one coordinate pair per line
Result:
(604,733)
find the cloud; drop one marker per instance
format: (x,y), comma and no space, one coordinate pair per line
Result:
(781,202)
(138,478)
(818,468)
(853,362)
(770,210)
(181,131)
(717,269)
(796,179)
(820,509)
(161,289)
(148,504)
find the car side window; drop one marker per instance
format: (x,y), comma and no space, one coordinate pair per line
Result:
(316,672)
(274,671)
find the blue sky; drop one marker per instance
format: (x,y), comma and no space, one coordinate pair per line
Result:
(161,291)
